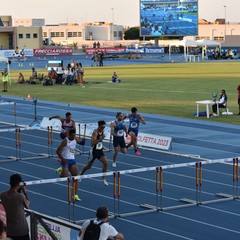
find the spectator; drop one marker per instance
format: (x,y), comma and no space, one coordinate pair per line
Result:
(5,79)
(100,58)
(33,77)
(2,230)
(22,53)
(98,44)
(115,78)
(14,203)
(221,104)
(81,72)
(21,79)
(107,230)
(238,89)
(52,75)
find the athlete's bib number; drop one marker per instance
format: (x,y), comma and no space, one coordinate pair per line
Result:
(72,151)
(99,146)
(133,125)
(120,133)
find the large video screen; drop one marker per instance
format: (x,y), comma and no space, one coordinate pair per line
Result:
(168,17)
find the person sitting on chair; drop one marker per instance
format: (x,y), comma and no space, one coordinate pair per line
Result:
(221,104)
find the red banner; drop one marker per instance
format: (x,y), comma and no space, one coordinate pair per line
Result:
(53,52)
(91,51)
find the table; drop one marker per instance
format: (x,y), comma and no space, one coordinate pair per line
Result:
(193,58)
(207,103)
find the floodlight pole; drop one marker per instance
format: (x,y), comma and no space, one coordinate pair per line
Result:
(225,30)
(112,26)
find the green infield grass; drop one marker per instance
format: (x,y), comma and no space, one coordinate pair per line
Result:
(166,89)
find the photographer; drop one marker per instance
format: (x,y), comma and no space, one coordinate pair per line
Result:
(14,203)
(5,79)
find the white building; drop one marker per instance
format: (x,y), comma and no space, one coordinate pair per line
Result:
(66,34)
(228,34)
(29,22)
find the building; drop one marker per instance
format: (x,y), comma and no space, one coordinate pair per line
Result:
(66,34)
(23,37)
(29,22)
(228,34)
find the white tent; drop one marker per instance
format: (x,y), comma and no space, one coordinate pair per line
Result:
(209,43)
(5,60)
(206,42)
(184,43)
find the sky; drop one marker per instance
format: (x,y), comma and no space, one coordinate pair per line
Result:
(122,12)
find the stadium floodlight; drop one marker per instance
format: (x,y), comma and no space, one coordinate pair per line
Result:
(225,21)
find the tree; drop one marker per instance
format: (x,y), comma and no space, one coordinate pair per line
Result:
(132,33)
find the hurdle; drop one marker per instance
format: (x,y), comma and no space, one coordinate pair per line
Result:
(81,150)
(19,146)
(2,103)
(157,180)
(199,184)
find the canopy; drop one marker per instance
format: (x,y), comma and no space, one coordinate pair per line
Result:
(185,43)
(5,60)
(206,42)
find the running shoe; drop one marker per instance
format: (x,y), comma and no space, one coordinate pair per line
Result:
(137,153)
(58,170)
(114,164)
(77,198)
(105,183)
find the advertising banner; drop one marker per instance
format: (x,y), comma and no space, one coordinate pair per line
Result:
(53,52)
(146,50)
(91,51)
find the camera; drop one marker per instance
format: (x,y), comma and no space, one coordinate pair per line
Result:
(20,189)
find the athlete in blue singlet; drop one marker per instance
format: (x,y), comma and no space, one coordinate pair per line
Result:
(118,129)
(134,120)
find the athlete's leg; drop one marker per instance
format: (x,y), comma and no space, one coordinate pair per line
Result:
(87,166)
(133,140)
(115,153)
(74,172)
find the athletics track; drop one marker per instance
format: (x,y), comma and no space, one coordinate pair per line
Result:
(191,139)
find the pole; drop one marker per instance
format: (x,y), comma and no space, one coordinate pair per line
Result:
(112,27)
(225,31)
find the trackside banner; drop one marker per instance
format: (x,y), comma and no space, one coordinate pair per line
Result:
(146,50)
(153,141)
(91,51)
(52,52)
(144,139)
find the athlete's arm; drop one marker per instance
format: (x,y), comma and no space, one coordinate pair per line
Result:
(126,116)
(141,119)
(60,149)
(74,125)
(112,126)
(58,117)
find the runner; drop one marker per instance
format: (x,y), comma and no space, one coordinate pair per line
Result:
(67,124)
(66,154)
(117,130)
(134,120)
(97,150)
